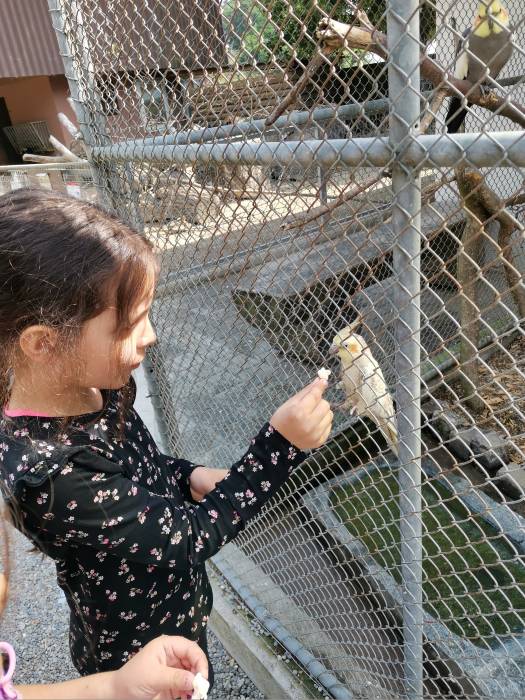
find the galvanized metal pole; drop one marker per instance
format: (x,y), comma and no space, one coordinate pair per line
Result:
(82,113)
(506,149)
(110,185)
(404,88)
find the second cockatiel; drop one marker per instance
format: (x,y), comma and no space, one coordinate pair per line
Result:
(482,53)
(363,382)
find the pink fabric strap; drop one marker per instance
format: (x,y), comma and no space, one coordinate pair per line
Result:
(7,692)
(17,412)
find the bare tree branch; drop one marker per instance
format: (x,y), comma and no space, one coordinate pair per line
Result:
(495,209)
(336,35)
(467,273)
(515,200)
(345,196)
(432,110)
(315,63)
(68,124)
(64,150)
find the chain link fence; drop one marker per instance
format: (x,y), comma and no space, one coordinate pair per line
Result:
(291,163)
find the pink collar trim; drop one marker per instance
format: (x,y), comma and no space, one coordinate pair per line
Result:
(18,412)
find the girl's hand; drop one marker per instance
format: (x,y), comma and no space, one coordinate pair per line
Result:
(164,669)
(203,480)
(305,420)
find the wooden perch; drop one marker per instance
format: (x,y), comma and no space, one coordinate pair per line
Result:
(66,155)
(483,206)
(337,35)
(495,209)
(432,110)
(68,124)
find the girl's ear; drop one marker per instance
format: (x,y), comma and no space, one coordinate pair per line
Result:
(37,342)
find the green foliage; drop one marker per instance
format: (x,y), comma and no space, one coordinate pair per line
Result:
(297,21)
(285,29)
(246,30)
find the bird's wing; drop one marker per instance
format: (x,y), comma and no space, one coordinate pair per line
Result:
(461,66)
(353,384)
(368,381)
(380,404)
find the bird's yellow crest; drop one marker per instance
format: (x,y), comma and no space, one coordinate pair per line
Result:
(492,18)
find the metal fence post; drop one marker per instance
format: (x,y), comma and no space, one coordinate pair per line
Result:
(105,182)
(404,85)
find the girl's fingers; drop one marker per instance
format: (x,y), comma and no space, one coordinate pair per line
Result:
(320,412)
(179,649)
(312,394)
(179,682)
(326,423)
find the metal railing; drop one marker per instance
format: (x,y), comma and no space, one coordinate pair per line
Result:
(344,202)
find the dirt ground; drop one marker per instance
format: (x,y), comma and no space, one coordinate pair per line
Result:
(502,389)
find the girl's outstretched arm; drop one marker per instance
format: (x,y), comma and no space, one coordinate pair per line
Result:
(164,668)
(91,500)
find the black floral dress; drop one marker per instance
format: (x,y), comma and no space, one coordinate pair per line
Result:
(117,517)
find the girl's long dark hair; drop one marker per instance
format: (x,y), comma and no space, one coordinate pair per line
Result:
(62,262)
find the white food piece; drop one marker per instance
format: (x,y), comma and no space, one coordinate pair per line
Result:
(200,687)
(324,373)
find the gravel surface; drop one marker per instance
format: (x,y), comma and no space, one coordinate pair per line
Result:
(36,623)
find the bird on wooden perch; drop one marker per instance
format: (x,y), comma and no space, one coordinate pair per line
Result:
(484,50)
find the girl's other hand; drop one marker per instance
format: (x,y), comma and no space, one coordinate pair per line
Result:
(164,669)
(305,420)
(203,480)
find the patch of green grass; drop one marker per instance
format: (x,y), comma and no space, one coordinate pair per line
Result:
(473,581)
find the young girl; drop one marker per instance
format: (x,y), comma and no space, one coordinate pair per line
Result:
(128,527)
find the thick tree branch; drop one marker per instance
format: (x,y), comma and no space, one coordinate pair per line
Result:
(336,35)
(467,272)
(495,209)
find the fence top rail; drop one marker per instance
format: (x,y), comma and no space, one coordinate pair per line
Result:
(501,149)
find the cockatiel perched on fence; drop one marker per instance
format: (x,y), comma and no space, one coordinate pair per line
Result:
(363,382)
(482,54)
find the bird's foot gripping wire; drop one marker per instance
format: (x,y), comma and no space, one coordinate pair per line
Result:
(485,89)
(343,406)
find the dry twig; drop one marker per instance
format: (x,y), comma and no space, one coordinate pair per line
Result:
(344,197)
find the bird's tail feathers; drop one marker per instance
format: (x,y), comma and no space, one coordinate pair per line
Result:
(390,432)
(456,115)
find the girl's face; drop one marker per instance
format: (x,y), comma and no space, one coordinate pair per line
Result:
(108,356)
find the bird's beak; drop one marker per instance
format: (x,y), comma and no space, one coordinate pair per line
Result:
(333,350)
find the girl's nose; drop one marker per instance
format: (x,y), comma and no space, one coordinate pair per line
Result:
(149,337)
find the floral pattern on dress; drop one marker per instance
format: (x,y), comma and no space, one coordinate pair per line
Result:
(117,517)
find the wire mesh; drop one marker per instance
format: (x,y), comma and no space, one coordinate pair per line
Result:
(271,244)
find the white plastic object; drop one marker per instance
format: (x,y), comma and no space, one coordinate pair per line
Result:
(324,373)
(200,687)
